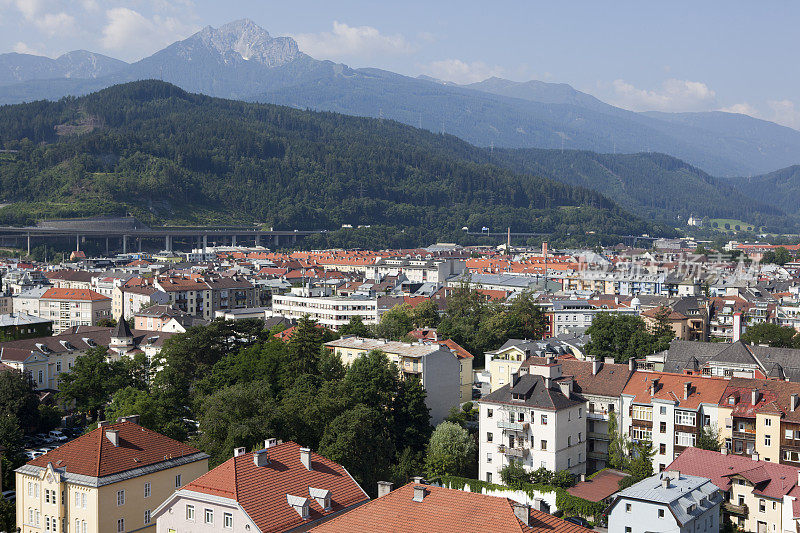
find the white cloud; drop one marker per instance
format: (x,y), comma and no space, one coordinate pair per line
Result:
(45,17)
(352,41)
(22,48)
(462,72)
(138,35)
(742,108)
(785,112)
(674,95)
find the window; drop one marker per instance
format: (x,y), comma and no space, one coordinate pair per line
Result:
(642,412)
(662,448)
(706,420)
(627,508)
(544,420)
(520,417)
(147,490)
(662,410)
(489,436)
(580,412)
(227,521)
(83,526)
(685,418)
(120,497)
(641,434)
(762,506)
(121,525)
(488,477)
(768,422)
(178,481)
(147,516)
(788,433)
(685,439)
(662,427)
(47,500)
(661,513)
(77,526)
(83,500)
(77,500)
(627,529)
(569,440)
(489,413)
(190,512)
(767,440)
(580,437)
(209,516)
(488,457)
(544,445)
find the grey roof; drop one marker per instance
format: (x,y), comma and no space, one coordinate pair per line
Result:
(774,362)
(121,330)
(536,394)
(683,492)
(21,319)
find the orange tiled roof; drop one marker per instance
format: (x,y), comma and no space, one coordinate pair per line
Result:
(94,455)
(262,490)
(704,389)
(73,294)
(460,352)
(442,510)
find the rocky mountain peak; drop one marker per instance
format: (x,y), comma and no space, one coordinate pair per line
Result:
(245,40)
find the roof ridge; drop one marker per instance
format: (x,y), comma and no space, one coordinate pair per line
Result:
(100,449)
(235,482)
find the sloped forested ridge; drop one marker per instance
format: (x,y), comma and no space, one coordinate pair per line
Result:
(165,155)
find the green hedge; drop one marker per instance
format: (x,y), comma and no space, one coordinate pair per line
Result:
(566,502)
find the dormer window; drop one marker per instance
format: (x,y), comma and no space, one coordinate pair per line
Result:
(322,497)
(299,504)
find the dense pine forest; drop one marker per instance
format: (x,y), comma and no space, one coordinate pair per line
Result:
(166,156)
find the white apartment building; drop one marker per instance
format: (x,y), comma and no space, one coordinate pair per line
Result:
(416,270)
(330,311)
(72,307)
(536,420)
(437,367)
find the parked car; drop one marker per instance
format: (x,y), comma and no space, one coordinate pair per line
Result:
(44,437)
(57,436)
(44,450)
(577,520)
(32,454)
(10,495)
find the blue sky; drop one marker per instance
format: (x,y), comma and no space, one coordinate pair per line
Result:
(669,56)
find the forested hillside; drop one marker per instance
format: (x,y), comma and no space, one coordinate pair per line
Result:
(652,185)
(151,149)
(780,188)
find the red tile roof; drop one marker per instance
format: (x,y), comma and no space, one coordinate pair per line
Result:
(670,387)
(262,490)
(73,294)
(460,352)
(601,486)
(94,455)
(773,480)
(442,510)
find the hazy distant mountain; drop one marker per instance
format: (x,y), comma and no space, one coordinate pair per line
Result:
(241,60)
(780,188)
(15,68)
(651,185)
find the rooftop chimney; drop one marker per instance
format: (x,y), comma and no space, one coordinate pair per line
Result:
(305,457)
(737,326)
(239,451)
(514,378)
(687,389)
(113,436)
(419,493)
(724,451)
(793,402)
(522,512)
(665,482)
(417,479)
(261,458)
(129,418)
(609,360)
(384,488)
(631,364)
(755,456)
(102,423)
(269,443)
(565,385)
(654,387)
(754,396)
(596,364)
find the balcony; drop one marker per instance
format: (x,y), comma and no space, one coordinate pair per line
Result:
(513,426)
(597,414)
(598,436)
(733,509)
(513,452)
(748,434)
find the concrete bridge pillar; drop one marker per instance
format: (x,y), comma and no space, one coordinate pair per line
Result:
(77,243)
(124,244)
(29,244)
(233,240)
(205,243)
(168,243)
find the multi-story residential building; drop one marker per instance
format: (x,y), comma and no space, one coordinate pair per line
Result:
(668,501)
(758,495)
(73,307)
(110,479)
(761,418)
(27,301)
(669,410)
(282,487)
(567,315)
(432,509)
(415,270)
(601,384)
(507,360)
(329,311)
(15,326)
(163,318)
(436,366)
(69,279)
(537,420)
(21,280)
(127,301)
(687,316)
(45,358)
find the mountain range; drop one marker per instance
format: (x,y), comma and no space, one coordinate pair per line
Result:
(240,60)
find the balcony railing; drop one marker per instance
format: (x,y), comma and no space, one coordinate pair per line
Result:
(598,436)
(731,508)
(598,414)
(514,426)
(746,434)
(513,452)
